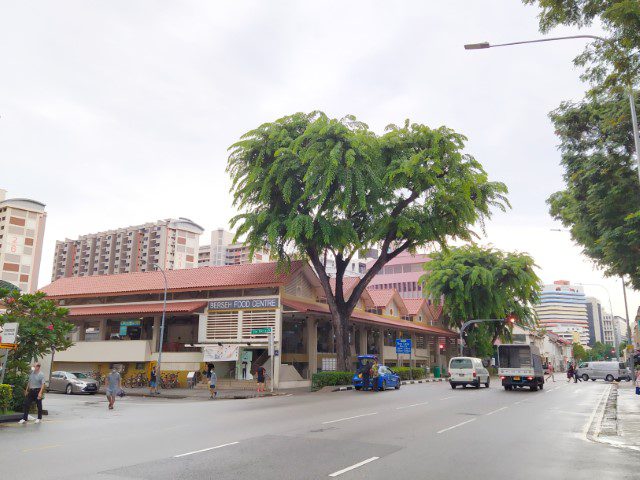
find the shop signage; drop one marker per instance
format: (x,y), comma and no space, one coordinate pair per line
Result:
(221,353)
(260,331)
(9,333)
(129,323)
(244,303)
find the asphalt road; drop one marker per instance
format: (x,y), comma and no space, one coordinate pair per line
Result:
(421,431)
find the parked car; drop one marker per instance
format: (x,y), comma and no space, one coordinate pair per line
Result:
(468,371)
(609,371)
(386,377)
(72,382)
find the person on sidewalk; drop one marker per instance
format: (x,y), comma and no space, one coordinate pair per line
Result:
(576,377)
(638,382)
(153,381)
(366,375)
(213,380)
(570,372)
(33,393)
(113,387)
(261,373)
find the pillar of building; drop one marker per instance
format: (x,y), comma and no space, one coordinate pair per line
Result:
(380,345)
(277,358)
(82,329)
(155,338)
(312,345)
(412,362)
(102,329)
(363,339)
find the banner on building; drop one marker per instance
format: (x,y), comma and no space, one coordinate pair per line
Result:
(221,353)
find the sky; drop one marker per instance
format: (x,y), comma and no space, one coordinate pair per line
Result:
(120,113)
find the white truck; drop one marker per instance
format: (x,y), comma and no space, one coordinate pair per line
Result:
(520,366)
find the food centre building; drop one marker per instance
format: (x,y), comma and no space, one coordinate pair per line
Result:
(226,315)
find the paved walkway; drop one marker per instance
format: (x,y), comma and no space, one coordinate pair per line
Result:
(629,414)
(198,393)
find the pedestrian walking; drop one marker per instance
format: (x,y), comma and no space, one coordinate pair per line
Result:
(576,377)
(153,381)
(366,375)
(244,370)
(550,372)
(113,387)
(374,376)
(261,373)
(638,383)
(33,393)
(213,380)
(570,372)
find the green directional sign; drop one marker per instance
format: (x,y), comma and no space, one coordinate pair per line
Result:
(258,331)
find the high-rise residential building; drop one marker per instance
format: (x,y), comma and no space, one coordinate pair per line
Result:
(594,317)
(22,223)
(608,329)
(402,273)
(222,251)
(171,243)
(620,325)
(563,311)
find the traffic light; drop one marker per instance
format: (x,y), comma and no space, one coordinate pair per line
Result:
(511,319)
(441,347)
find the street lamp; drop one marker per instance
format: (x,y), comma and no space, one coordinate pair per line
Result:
(164,312)
(634,118)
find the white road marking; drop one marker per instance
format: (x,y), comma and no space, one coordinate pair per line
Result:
(446,398)
(412,405)
(577,390)
(350,418)
(456,426)
(518,402)
(556,389)
(587,426)
(352,467)
(496,411)
(45,447)
(205,449)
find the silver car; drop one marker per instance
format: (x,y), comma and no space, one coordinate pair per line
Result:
(72,382)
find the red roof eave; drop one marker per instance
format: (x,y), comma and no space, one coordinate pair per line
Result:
(135,309)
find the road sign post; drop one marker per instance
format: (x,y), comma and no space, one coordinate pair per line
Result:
(403,347)
(262,331)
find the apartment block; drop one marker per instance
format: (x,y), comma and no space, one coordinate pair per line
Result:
(172,243)
(222,251)
(22,223)
(563,310)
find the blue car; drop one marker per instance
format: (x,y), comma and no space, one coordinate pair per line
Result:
(386,378)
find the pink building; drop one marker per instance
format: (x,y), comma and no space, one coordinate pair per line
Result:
(401,273)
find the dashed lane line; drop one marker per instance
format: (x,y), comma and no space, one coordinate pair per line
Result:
(412,405)
(45,447)
(456,426)
(496,411)
(205,449)
(349,418)
(353,467)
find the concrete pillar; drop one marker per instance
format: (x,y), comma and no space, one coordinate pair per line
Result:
(82,328)
(380,345)
(102,329)
(363,339)
(412,362)
(312,345)
(277,359)
(155,339)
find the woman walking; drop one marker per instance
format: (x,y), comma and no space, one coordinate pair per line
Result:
(570,372)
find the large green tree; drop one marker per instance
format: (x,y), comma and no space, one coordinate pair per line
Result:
(483,283)
(601,202)
(307,184)
(41,327)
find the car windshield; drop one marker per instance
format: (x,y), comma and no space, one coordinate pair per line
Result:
(79,375)
(461,363)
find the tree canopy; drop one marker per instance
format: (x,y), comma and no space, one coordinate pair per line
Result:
(600,204)
(307,184)
(483,283)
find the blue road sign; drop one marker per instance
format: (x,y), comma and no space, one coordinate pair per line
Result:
(403,346)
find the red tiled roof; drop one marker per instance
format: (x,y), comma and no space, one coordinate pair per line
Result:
(348,284)
(414,305)
(369,318)
(202,278)
(135,309)
(382,297)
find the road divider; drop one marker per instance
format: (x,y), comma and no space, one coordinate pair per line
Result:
(353,467)
(205,449)
(349,418)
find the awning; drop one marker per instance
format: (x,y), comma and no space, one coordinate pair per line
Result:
(371,318)
(134,309)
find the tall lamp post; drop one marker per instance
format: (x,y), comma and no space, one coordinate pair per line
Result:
(164,312)
(634,118)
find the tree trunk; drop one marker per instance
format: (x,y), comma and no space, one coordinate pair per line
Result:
(340,321)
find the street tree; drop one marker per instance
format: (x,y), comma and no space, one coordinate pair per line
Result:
(307,184)
(600,204)
(483,283)
(579,352)
(41,327)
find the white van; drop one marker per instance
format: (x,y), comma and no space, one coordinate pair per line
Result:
(467,371)
(609,371)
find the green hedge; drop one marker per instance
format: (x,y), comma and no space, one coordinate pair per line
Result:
(6,397)
(325,379)
(405,374)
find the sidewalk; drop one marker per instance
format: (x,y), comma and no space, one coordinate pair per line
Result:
(629,414)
